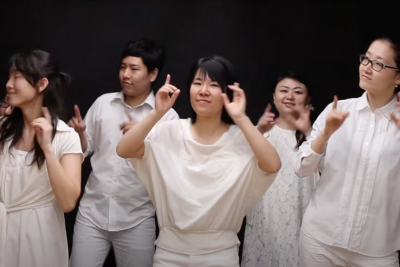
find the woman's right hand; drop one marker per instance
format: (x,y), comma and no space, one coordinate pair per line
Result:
(164,101)
(266,121)
(5,108)
(334,119)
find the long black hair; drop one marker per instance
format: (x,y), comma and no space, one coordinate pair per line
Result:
(300,136)
(34,65)
(219,70)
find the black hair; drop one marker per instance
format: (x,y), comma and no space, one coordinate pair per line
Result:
(395,44)
(34,65)
(300,136)
(152,53)
(220,70)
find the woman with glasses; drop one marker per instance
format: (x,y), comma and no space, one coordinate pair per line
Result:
(353,218)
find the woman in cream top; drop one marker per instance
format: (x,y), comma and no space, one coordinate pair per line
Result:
(203,174)
(40,166)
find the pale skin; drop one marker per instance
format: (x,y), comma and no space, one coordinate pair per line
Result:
(64,174)
(132,143)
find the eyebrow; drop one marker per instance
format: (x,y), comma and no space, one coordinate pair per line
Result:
(297,87)
(130,65)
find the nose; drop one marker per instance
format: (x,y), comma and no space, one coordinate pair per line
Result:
(127,73)
(204,90)
(367,68)
(290,95)
(8,85)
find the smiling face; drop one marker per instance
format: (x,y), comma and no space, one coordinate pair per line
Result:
(385,80)
(289,96)
(205,95)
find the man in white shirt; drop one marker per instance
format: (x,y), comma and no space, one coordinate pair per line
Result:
(115,208)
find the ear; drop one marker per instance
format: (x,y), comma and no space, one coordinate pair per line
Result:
(153,75)
(42,84)
(273,97)
(397,81)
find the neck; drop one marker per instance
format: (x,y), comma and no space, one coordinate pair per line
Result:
(207,126)
(283,123)
(134,101)
(31,112)
(379,100)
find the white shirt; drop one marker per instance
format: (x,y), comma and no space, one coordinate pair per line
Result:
(115,198)
(32,225)
(201,192)
(356,203)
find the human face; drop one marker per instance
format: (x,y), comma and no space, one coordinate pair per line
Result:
(134,77)
(290,95)
(20,91)
(205,96)
(385,80)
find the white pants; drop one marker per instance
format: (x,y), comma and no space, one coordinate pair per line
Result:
(224,258)
(314,253)
(133,247)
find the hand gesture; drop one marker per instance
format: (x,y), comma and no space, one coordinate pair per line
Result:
(301,119)
(396,120)
(266,121)
(335,118)
(236,109)
(164,101)
(76,122)
(5,108)
(127,125)
(43,128)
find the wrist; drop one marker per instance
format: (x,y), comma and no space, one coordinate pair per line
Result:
(325,134)
(47,150)
(241,120)
(156,115)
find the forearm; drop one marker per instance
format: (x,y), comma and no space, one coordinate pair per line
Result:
(268,158)
(65,190)
(132,141)
(319,143)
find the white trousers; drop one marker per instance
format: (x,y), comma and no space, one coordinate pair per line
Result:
(224,258)
(314,253)
(133,247)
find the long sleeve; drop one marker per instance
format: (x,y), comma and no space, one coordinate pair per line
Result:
(307,159)
(90,122)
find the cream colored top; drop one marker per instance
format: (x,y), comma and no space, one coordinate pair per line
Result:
(201,192)
(32,227)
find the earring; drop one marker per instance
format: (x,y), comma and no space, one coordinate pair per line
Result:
(311,107)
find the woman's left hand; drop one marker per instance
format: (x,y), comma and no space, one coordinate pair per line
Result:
(44,130)
(237,108)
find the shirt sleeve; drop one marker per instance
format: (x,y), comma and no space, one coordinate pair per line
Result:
(307,159)
(70,143)
(90,122)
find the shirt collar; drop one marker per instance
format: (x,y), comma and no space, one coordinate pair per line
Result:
(150,99)
(386,110)
(62,126)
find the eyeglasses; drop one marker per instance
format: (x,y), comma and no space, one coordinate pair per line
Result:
(4,103)
(376,65)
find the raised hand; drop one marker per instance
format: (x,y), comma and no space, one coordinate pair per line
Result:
(335,118)
(301,119)
(76,122)
(43,128)
(127,125)
(237,108)
(266,121)
(392,116)
(164,101)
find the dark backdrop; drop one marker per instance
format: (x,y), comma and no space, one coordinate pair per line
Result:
(323,40)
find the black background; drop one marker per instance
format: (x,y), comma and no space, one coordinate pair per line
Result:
(322,39)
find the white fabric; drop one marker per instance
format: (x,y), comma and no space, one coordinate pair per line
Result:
(224,258)
(114,198)
(273,226)
(201,192)
(32,227)
(133,247)
(317,254)
(356,203)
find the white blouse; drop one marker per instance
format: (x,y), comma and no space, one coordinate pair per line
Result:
(32,226)
(356,203)
(201,192)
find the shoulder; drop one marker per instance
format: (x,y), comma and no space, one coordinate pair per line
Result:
(170,115)
(345,104)
(106,98)
(63,131)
